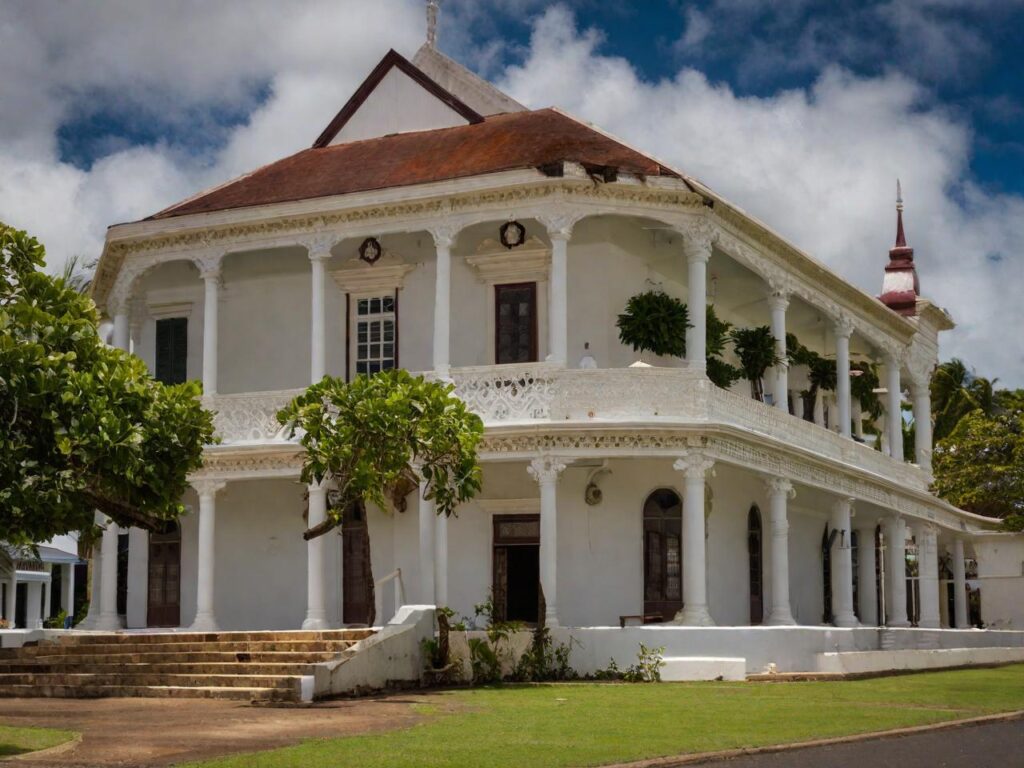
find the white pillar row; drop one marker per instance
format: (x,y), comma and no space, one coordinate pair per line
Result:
(316,607)
(209,270)
(928,575)
(695,466)
(698,254)
(780,490)
(441,560)
(319,252)
(428,535)
(960,617)
(893,412)
(867,597)
(843,329)
(68,587)
(546,471)
(778,302)
(206,619)
(559,231)
(921,393)
(842,565)
(443,238)
(108,618)
(896,571)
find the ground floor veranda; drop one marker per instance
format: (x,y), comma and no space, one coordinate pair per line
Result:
(623,540)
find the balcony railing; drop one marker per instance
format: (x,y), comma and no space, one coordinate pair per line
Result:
(535,393)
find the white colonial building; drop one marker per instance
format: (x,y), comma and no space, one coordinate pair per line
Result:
(439,226)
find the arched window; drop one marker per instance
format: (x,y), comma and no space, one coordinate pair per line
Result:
(663,555)
(756,562)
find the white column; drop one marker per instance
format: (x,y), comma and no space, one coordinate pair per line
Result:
(122,331)
(206,619)
(893,413)
(928,575)
(866,594)
(316,609)
(12,597)
(896,571)
(857,413)
(47,594)
(695,465)
(819,408)
(442,301)
(33,605)
(108,618)
(843,331)
(922,422)
(209,270)
(441,560)
(93,575)
(68,587)
(780,490)
(842,565)
(319,253)
(778,302)
(960,617)
(559,230)
(546,470)
(698,253)
(428,535)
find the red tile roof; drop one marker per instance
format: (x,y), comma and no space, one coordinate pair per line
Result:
(543,138)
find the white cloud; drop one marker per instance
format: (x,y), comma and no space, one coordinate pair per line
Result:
(818,164)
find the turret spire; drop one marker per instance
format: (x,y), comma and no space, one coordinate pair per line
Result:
(901,240)
(900,287)
(432,8)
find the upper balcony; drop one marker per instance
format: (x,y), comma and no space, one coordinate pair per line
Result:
(541,393)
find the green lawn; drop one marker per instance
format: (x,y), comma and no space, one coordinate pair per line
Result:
(591,724)
(17,741)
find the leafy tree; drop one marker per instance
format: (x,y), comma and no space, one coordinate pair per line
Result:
(85,427)
(655,322)
(980,466)
(365,436)
(755,348)
(721,373)
(956,392)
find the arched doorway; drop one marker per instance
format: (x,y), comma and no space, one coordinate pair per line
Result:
(663,555)
(755,559)
(164,602)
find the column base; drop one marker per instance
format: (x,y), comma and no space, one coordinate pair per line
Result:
(846,622)
(694,617)
(107,622)
(926,624)
(898,624)
(314,623)
(551,621)
(204,622)
(780,619)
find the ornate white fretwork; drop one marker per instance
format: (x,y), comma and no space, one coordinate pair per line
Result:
(249,417)
(495,263)
(508,392)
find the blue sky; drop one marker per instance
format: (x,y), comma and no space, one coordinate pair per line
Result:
(801,112)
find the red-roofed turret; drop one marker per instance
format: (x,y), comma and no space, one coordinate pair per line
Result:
(900,287)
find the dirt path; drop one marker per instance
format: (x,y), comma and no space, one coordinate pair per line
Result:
(129,732)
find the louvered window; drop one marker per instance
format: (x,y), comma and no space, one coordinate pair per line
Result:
(172,350)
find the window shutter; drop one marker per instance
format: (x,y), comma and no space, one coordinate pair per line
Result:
(172,350)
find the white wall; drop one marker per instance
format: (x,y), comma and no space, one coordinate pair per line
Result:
(1001,579)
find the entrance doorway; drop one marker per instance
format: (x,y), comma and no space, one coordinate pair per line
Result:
(663,559)
(756,560)
(516,578)
(164,606)
(357,576)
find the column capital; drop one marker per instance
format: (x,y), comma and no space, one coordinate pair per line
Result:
(844,503)
(695,464)
(318,247)
(546,469)
(778,301)
(559,225)
(444,234)
(699,234)
(209,264)
(780,485)
(843,326)
(208,487)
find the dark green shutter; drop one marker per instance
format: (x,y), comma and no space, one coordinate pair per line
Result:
(171,350)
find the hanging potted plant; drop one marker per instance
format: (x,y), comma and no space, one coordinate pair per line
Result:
(755,348)
(654,322)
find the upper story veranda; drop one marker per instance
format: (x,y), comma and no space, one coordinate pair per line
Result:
(498,253)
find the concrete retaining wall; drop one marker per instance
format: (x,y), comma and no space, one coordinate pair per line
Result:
(866,662)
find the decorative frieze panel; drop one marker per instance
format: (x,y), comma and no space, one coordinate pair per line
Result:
(250,417)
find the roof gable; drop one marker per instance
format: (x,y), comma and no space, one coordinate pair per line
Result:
(397,97)
(465,84)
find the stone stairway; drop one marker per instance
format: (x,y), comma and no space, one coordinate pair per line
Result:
(249,666)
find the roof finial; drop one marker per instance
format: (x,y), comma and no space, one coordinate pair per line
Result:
(901,240)
(432,6)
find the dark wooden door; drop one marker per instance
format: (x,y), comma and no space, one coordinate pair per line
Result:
(516,583)
(663,563)
(164,607)
(756,563)
(357,573)
(515,308)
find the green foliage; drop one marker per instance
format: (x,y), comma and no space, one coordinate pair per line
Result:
(366,435)
(721,373)
(544,660)
(56,622)
(85,427)
(956,392)
(647,668)
(863,388)
(487,656)
(980,466)
(755,348)
(655,322)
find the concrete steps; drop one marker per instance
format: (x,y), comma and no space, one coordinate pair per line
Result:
(254,666)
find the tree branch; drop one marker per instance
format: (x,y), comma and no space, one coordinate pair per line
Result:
(121,512)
